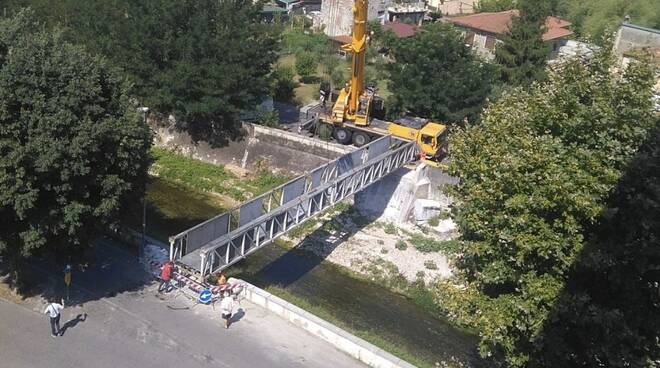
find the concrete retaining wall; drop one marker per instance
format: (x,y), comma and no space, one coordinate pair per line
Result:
(302,140)
(342,340)
(277,149)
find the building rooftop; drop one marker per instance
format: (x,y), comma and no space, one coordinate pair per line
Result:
(499,22)
(269,8)
(401,30)
(343,39)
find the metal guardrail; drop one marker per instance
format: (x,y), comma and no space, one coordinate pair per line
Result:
(225,239)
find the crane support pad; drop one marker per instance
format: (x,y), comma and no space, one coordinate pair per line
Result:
(225,239)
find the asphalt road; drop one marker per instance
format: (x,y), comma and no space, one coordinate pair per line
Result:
(137,328)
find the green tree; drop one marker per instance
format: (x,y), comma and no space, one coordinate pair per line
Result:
(607,313)
(437,76)
(522,54)
(496,5)
(596,18)
(294,41)
(202,61)
(283,83)
(306,64)
(534,179)
(73,149)
(380,39)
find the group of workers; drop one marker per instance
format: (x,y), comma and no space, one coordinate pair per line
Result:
(227,304)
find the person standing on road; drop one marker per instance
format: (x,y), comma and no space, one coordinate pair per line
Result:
(227,308)
(53,310)
(165,276)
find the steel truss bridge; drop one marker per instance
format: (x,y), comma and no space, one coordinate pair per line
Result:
(219,242)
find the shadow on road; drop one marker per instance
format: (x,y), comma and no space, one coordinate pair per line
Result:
(237,316)
(72,323)
(106,270)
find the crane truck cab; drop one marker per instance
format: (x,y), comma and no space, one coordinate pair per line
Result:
(431,137)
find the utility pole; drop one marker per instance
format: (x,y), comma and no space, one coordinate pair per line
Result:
(145,111)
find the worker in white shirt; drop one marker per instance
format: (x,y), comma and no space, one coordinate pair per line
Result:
(53,310)
(227,308)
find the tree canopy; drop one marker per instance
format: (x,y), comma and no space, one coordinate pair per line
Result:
(591,19)
(73,149)
(437,76)
(534,180)
(306,64)
(596,18)
(607,311)
(522,54)
(201,61)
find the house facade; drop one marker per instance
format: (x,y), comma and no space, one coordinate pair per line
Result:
(632,41)
(483,31)
(452,7)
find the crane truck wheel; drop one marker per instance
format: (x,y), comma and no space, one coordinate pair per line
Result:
(360,139)
(342,135)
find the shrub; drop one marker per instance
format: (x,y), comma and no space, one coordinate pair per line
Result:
(401,245)
(390,229)
(283,83)
(430,265)
(427,245)
(306,64)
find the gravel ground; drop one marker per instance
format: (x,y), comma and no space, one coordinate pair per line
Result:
(363,248)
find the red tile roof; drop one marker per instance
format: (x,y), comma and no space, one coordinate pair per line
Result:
(499,22)
(401,30)
(343,39)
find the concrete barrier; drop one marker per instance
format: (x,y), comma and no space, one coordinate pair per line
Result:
(342,340)
(294,137)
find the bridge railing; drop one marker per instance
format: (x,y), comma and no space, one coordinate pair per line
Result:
(219,242)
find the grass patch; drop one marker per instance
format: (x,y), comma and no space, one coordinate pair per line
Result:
(186,191)
(172,208)
(425,244)
(207,177)
(390,229)
(194,173)
(390,345)
(434,221)
(303,229)
(401,245)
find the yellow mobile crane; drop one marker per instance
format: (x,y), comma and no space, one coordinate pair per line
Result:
(351,111)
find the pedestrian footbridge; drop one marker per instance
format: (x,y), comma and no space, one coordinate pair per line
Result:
(218,243)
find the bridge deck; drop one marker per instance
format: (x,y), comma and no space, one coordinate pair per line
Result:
(225,239)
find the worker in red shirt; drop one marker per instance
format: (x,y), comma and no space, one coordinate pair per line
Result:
(165,277)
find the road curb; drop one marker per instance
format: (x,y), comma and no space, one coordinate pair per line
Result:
(354,346)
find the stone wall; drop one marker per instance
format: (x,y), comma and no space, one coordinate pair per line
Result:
(278,149)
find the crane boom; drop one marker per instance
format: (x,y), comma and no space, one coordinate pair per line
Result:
(354,101)
(358,48)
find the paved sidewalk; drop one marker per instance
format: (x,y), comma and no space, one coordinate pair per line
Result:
(137,328)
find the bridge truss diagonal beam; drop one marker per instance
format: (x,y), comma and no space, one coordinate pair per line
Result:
(225,239)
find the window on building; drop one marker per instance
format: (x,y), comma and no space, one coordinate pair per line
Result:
(490,42)
(469,37)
